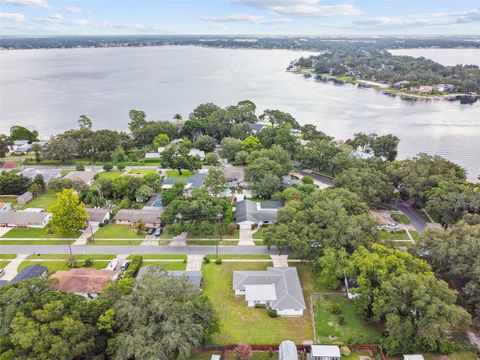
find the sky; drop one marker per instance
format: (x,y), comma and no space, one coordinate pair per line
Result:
(240,17)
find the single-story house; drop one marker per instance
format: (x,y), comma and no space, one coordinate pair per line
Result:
(413,357)
(196,152)
(325,352)
(30,272)
(193,277)
(98,216)
(194,181)
(161,149)
(83,281)
(151,218)
(87,177)
(21,147)
(362,155)
(25,198)
(256,128)
(4,207)
(250,214)
(48,174)
(287,350)
(235,178)
(277,288)
(25,219)
(349,285)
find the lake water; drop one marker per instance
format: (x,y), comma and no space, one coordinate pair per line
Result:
(48,90)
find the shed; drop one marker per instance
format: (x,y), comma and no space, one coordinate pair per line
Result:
(287,350)
(413,357)
(325,352)
(25,198)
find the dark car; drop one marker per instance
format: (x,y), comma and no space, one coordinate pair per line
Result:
(150,231)
(124,265)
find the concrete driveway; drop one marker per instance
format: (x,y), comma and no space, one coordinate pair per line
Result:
(246,238)
(179,240)
(194,262)
(11,268)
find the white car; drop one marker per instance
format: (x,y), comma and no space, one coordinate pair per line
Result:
(393,226)
(112,265)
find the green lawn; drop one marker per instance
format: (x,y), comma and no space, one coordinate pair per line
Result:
(258,242)
(35,242)
(3,264)
(211,242)
(175,174)
(177,265)
(160,256)
(234,235)
(8,256)
(115,231)
(204,355)
(330,331)
(44,201)
(54,266)
(77,256)
(240,323)
(240,257)
(34,233)
(258,235)
(142,171)
(399,235)
(401,218)
(115,242)
(112,174)
(8,199)
(415,235)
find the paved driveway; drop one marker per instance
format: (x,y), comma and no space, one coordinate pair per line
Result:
(11,268)
(246,238)
(194,262)
(179,240)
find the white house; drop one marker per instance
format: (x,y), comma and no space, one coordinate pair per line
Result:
(325,352)
(278,288)
(152,155)
(21,147)
(350,284)
(4,207)
(25,219)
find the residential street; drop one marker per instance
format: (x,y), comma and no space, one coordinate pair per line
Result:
(415,220)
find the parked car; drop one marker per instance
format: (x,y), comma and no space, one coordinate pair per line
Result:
(150,231)
(124,265)
(158,232)
(392,226)
(112,265)
(2,272)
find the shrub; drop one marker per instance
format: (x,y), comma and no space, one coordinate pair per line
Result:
(72,262)
(184,261)
(101,224)
(80,168)
(135,263)
(341,320)
(243,351)
(334,309)
(231,228)
(345,351)
(206,260)
(107,167)
(218,261)
(121,167)
(272,313)
(87,263)
(260,306)
(307,180)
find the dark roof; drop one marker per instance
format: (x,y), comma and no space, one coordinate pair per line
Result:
(30,272)
(248,210)
(194,277)
(133,215)
(257,127)
(195,179)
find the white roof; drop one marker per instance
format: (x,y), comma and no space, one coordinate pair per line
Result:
(260,292)
(413,357)
(287,350)
(325,350)
(215,357)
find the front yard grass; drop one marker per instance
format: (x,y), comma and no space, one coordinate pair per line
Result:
(401,218)
(44,201)
(328,325)
(142,171)
(35,242)
(234,235)
(239,257)
(77,256)
(8,256)
(160,256)
(33,233)
(167,266)
(115,242)
(258,235)
(116,231)
(3,264)
(212,242)
(258,242)
(54,266)
(241,324)
(387,235)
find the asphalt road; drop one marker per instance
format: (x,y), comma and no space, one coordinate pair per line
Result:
(415,220)
(136,249)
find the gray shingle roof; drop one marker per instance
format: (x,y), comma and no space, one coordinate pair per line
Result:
(24,218)
(30,272)
(248,210)
(195,179)
(286,281)
(132,215)
(48,174)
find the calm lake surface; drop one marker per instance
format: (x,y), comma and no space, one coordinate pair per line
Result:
(48,90)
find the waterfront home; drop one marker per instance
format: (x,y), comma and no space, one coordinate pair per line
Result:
(83,281)
(4,207)
(98,216)
(30,272)
(30,219)
(444,87)
(250,214)
(47,174)
(193,277)
(277,288)
(400,85)
(362,155)
(87,177)
(151,218)
(325,352)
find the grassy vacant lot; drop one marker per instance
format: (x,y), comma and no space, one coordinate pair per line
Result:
(329,328)
(175,174)
(54,266)
(399,235)
(249,325)
(34,233)
(115,231)
(44,201)
(211,242)
(401,218)
(177,265)
(258,235)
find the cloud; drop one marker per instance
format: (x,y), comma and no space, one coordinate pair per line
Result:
(252,19)
(302,7)
(56,16)
(59,19)
(37,3)
(15,17)
(217,27)
(423,20)
(136,28)
(74,10)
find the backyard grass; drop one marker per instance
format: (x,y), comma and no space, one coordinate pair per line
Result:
(115,231)
(44,201)
(241,324)
(175,174)
(399,235)
(168,266)
(35,242)
(54,266)
(258,235)
(77,256)
(401,218)
(115,242)
(328,325)
(33,233)
(3,264)
(160,256)
(211,242)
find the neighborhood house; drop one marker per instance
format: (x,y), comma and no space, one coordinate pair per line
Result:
(98,216)
(47,174)
(251,214)
(277,288)
(194,181)
(87,177)
(21,147)
(25,219)
(130,217)
(4,207)
(30,272)
(83,281)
